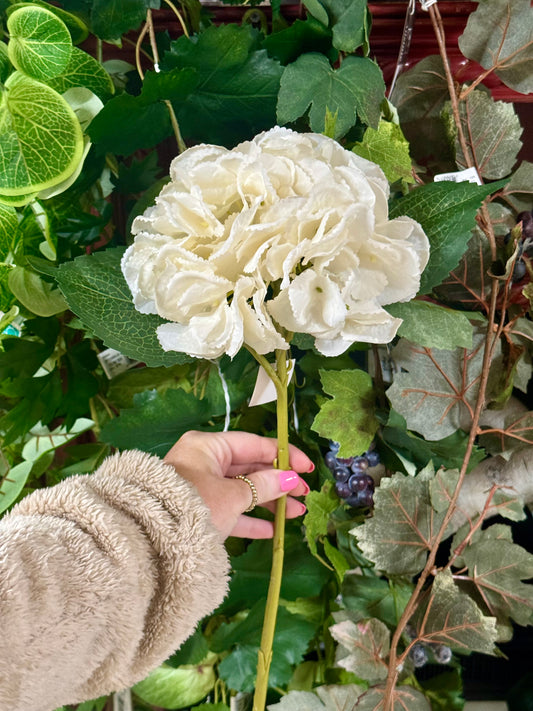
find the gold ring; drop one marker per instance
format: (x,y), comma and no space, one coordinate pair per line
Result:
(252,489)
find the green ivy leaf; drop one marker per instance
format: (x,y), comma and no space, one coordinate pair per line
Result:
(37,295)
(82,70)
(387,147)
(499,35)
(363,647)
(39,42)
(449,616)
(403,528)
(291,640)
(375,597)
(349,417)
(303,575)
(496,568)
(41,142)
(112,18)
(320,505)
(431,325)
(403,698)
(128,123)
(237,87)
(448,452)
(157,421)
(356,88)
(437,389)
(96,291)
(447,213)
(493,133)
(419,95)
(302,36)
(350,22)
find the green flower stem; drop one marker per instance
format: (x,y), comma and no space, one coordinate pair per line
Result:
(272,603)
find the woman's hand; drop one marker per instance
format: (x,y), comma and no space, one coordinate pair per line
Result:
(211,461)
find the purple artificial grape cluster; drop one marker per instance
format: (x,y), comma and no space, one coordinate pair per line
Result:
(353,483)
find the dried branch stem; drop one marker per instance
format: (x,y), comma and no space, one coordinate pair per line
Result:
(491,337)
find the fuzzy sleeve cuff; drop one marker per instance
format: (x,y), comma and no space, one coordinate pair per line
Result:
(101,578)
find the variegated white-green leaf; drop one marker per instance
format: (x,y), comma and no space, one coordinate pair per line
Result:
(83,70)
(41,142)
(39,42)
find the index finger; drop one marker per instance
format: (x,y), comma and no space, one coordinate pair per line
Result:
(252,452)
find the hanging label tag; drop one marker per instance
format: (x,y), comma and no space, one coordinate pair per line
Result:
(114,363)
(122,701)
(388,366)
(265,390)
(470,175)
(426,4)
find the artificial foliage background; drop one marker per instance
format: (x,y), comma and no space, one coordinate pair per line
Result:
(97,97)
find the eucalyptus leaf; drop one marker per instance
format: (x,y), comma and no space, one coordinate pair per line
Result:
(37,295)
(492,130)
(499,35)
(41,142)
(447,213)
(12,483)
(96,291)
(349,417)
(39,42)
(355,89)
(431,325)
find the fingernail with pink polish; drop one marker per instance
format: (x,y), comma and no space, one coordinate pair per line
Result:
(288,480)
(305,486)
(311,468)
(303,509)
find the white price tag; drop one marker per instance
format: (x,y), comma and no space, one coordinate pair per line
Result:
(388,366)
(114,363)
(470,175)
(265,390)
(122,701)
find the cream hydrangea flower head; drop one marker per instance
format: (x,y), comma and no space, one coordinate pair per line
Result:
(288,232)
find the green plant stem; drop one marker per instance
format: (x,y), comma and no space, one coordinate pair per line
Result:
(274,587)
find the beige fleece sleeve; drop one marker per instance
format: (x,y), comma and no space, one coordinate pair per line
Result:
(101,578)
